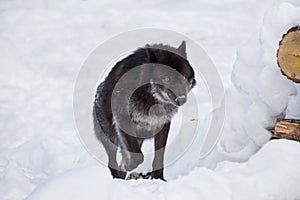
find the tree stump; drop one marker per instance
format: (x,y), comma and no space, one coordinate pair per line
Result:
(287,128)
(288,54)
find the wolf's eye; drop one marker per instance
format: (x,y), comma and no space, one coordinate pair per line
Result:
(166,79)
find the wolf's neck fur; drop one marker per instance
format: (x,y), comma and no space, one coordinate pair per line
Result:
(149,113)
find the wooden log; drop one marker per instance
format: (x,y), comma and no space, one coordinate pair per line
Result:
(288,54)
(288,129)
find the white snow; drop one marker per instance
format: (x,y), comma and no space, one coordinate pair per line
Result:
(43,44)
(266,175)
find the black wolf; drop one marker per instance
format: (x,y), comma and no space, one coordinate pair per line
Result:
(143,121)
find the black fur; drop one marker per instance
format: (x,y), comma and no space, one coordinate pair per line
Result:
(106,123)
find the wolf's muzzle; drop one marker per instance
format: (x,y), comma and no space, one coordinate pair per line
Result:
(180,100)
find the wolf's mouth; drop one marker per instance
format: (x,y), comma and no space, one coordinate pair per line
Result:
(167,96)
(174,99)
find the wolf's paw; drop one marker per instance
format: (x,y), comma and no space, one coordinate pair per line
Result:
(149,175)
(154,175)
(117,173)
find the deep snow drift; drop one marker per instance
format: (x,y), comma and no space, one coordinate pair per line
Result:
(44,44)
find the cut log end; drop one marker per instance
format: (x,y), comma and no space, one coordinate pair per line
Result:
(288,54)
(287,129)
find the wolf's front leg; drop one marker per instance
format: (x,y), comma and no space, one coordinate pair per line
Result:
(160,141)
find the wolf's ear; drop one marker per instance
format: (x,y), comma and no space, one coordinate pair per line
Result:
(182,49)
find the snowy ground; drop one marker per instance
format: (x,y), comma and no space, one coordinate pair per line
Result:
(228,181)
(43,44)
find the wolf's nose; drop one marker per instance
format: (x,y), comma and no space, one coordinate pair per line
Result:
(180,100)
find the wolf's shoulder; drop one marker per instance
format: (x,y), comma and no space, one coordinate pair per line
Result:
(136,58)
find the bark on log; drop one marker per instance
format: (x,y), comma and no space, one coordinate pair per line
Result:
(288,54)
(288,129)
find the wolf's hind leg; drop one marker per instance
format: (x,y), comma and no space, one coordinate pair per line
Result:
(111,146)
(111,151)
(132,156)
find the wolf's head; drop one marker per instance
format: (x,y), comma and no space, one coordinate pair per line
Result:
(173,87)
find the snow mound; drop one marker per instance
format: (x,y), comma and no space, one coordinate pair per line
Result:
(260,93)
(272,173)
